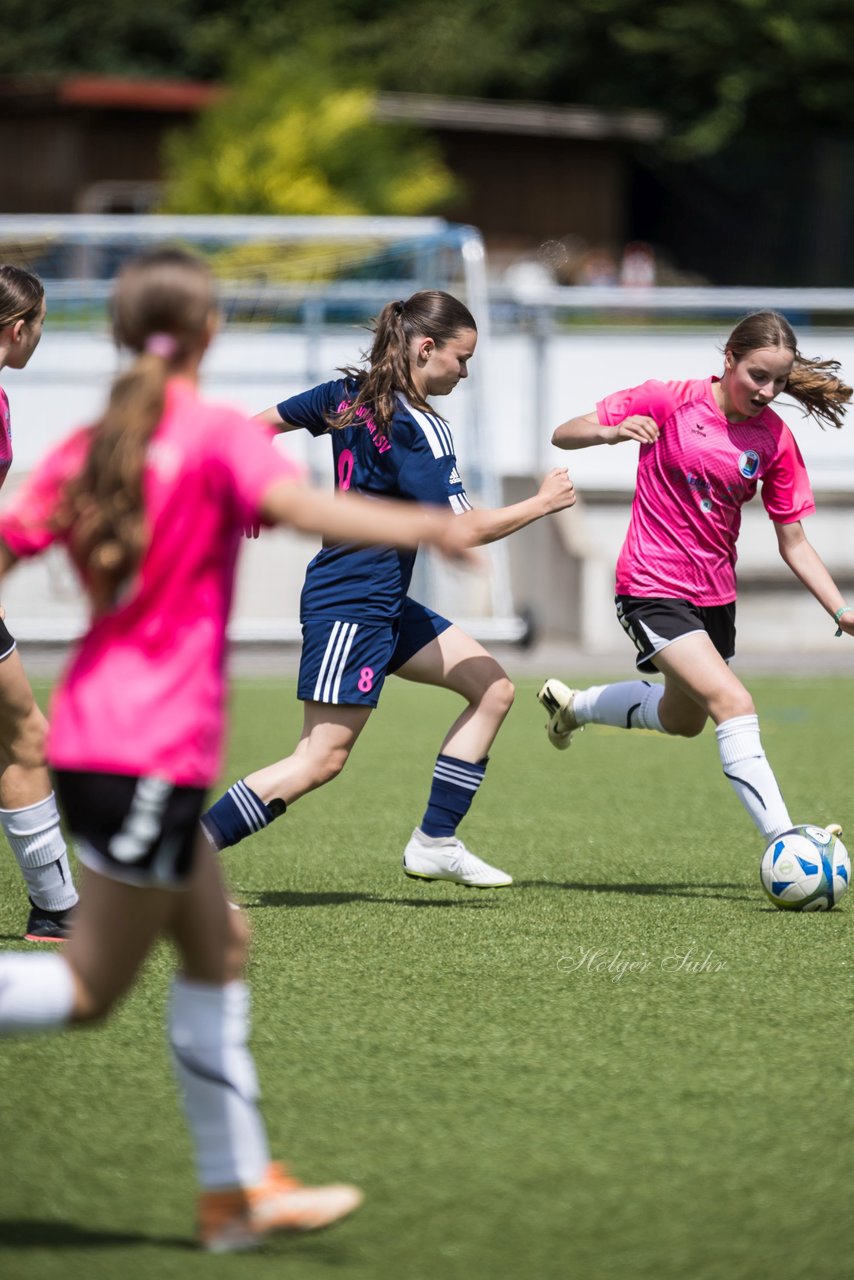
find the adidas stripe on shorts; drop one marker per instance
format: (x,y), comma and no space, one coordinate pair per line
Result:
(346,662)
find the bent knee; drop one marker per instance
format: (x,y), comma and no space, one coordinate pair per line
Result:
(498,696)
(322,769)
(732,706)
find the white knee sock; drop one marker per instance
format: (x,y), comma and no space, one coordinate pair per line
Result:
(39,848)
(632,704)
(36,993)
(751,775)
(208,1030)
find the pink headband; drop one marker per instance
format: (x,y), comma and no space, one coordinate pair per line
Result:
(161,344)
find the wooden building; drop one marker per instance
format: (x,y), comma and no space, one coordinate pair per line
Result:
(529,172)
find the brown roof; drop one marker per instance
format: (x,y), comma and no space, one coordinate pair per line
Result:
(117,93)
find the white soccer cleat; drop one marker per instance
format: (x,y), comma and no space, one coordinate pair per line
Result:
(558,700)
(833,829)
(447,858)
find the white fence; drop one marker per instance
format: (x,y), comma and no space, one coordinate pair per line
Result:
(544,354)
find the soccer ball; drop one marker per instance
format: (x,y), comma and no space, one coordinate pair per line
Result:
(805,869)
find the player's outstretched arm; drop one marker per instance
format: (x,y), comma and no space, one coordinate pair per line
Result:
(555,493)
(272,418)
(352,518)
(809,568)
(586,430)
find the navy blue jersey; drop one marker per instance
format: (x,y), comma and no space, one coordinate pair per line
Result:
(414,461)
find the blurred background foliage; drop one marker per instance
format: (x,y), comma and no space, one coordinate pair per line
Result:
(291,138)
(719,70)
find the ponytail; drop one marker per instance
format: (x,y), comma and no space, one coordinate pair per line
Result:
(430,313)
(813,383)
(162,307)
(106,499)
(819,390)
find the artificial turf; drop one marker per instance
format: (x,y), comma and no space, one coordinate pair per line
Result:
(629,1066)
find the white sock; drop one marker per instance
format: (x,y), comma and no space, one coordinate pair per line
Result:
(632,704)
(208,1030)
(751,775)
(36,992)
(39,848)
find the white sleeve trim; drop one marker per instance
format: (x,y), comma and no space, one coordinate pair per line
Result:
(436,432)
(459,503)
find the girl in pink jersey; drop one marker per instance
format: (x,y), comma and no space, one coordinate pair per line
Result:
(704,445)
(28,812)
(151,504)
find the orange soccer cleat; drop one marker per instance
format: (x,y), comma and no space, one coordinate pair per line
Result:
(243,1217)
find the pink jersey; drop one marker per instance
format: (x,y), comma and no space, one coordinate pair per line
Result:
(5,437)
(692,484)
(144,692)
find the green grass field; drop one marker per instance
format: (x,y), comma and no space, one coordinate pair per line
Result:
(626,1067)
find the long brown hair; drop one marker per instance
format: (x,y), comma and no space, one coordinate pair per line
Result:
(21,295)
(814,383)
(431,313)
(161,310)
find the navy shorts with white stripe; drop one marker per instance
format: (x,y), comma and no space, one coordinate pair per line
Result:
(346,663)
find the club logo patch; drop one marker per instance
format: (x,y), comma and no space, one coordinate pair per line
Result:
(748,463)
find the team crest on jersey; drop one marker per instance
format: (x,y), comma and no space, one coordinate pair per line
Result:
(748,463)
(454,477)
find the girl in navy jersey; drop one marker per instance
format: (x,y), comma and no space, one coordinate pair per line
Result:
(28,813)
(704,446)
(359,624)
(151,503)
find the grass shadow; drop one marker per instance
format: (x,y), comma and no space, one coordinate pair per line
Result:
(670,889)
(298,898)
(33,1233)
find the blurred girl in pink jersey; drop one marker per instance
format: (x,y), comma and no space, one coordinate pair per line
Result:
(28,812)
(151,503)
(704,445)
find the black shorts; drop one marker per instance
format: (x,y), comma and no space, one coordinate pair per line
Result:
(142,831)
(654,622)
(7,641)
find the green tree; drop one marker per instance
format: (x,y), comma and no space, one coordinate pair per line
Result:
(718,70)
(290,140)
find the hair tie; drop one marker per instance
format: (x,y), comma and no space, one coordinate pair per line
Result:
(399,308)
(161,344)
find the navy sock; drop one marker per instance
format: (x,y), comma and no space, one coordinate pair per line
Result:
(238,813)
(455,783)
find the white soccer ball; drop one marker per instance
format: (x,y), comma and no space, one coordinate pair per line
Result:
(805,869)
